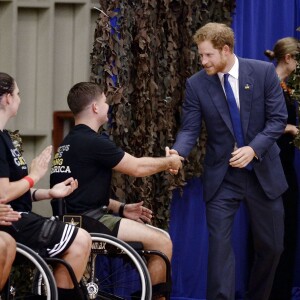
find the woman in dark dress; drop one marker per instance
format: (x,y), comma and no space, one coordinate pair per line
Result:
(284,53)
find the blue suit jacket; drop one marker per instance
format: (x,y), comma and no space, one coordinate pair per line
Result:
(263,116)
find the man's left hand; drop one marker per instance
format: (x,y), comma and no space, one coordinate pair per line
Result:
(137,212)
(241,157)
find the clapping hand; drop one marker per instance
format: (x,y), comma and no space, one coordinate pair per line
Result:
(39,165)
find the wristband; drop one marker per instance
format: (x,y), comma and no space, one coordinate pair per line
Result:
(33,196)
(29,180)
(121,210)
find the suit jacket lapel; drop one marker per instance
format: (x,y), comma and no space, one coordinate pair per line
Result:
(245,93)
(217,95)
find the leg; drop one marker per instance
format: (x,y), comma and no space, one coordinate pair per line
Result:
(77,256)
(221,262)
(266,221)
(7,256)
(283,281)
(151,238)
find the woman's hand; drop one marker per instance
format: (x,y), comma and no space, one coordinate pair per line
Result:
(291,129)
(64,188)
(8,215)
(39,165)
(137,212)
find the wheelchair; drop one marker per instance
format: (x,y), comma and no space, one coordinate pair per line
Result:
(30,277)
(116,270)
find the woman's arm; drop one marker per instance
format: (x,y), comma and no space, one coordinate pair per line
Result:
(39,166)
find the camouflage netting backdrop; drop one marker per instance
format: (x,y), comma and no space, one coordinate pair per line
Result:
(142,54)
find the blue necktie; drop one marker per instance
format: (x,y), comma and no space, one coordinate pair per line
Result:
(234,113)
(235,116)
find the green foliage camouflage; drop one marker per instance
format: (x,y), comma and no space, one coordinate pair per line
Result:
(150,53)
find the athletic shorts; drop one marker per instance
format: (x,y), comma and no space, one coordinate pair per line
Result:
(48,237)
(112,222)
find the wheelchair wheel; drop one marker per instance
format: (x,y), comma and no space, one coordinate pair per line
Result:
(116,271)
(30,277)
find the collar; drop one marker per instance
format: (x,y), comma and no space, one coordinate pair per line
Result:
(234,71)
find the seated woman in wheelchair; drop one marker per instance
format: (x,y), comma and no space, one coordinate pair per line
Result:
(90,157)
(7,243)
(55,239)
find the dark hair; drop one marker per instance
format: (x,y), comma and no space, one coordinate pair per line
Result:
(218,34)
(287,45)
(82,94)
(7,84)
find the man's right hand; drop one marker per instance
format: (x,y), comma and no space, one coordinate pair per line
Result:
(177,163)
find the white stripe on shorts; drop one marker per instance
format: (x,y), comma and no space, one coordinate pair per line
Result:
(66,236)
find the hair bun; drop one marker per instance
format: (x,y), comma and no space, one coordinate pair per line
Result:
(270,54)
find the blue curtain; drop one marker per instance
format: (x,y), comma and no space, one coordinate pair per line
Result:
(190,244)
(257,25)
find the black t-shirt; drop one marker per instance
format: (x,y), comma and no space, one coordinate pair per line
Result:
(14,167)
(88,157)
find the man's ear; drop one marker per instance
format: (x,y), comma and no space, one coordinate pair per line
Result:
(226,49)
(95,107)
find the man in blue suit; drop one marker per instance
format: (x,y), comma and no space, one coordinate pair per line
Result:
(237,168)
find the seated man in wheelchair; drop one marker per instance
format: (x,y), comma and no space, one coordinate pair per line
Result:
(7,243)
(55,239)
(90,157)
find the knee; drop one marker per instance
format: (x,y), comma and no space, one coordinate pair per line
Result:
(168,245)
(3,251)
(271,252)
(7,244)
(162,243)
(83,243)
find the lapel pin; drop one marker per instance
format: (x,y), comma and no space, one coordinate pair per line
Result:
(247,87)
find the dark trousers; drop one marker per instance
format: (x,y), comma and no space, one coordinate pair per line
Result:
(283,281)
(266,223)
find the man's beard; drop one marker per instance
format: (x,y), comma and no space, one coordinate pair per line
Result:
(220,67)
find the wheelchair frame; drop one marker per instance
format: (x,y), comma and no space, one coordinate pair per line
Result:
(42,282)
(134,247)
(41,277)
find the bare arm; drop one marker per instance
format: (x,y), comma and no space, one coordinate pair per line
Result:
(133,211)
(145,166)
(13,190)
(59,190)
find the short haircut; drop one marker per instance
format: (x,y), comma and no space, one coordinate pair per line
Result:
(217,33)
(82,94)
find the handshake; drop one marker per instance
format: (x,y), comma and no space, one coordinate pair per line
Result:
(176,162)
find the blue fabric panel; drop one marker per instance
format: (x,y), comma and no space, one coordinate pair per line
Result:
(189,234)
(259,24)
